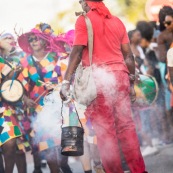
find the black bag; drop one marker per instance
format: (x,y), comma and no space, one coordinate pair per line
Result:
(72,139)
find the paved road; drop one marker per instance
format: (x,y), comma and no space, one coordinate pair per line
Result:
(160,163)
(74,164)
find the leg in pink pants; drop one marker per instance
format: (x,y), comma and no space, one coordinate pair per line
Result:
(112,121)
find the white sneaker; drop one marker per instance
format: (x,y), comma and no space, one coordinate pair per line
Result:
(149,151)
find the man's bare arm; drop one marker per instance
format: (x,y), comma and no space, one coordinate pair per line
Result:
(75,59)
(130,62)
(128,57)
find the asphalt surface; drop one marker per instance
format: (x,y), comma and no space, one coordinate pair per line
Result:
(158,163)
(161,162)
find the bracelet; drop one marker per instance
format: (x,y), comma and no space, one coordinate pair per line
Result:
(65,82)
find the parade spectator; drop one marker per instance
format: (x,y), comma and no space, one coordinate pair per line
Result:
(152,68)
(135,39)
(164,42)
(169,26)
(163,100)
(164,39)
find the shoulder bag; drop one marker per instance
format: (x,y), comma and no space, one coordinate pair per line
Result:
(84,88)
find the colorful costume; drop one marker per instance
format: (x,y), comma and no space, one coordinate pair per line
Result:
(9,126)
(50,70)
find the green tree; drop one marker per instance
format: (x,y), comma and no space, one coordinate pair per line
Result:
(130,11)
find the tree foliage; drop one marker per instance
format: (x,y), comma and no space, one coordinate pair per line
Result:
(132,10)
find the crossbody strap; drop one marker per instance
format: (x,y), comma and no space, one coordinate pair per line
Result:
(90,36)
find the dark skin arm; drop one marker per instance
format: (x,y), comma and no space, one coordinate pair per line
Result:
(128,57)
(161,48)
(171,74)
(130,63)
(164,41)
(75,59)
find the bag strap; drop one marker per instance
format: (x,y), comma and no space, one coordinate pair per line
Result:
(76,114)
(90,36)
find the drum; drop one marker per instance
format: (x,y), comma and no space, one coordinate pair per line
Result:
(146,91)
(11,91)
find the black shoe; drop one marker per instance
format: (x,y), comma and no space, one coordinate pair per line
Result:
(37,171)
(43,164)
(66,169)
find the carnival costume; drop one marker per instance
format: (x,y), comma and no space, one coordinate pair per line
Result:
(9,125)
(33,77)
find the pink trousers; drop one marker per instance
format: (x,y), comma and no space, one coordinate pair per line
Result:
(111,118)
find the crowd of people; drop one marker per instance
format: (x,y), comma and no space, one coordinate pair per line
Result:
(38,59)
(118,130)
(150,44)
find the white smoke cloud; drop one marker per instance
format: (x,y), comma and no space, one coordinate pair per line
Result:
(48,122)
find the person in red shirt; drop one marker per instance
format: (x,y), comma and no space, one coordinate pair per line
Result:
(110,112)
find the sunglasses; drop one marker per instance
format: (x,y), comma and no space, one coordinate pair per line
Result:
(167,22)
(9,38)
(31,39)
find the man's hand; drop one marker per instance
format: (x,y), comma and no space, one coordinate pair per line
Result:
(65,91)
(29,102)
(132,94)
